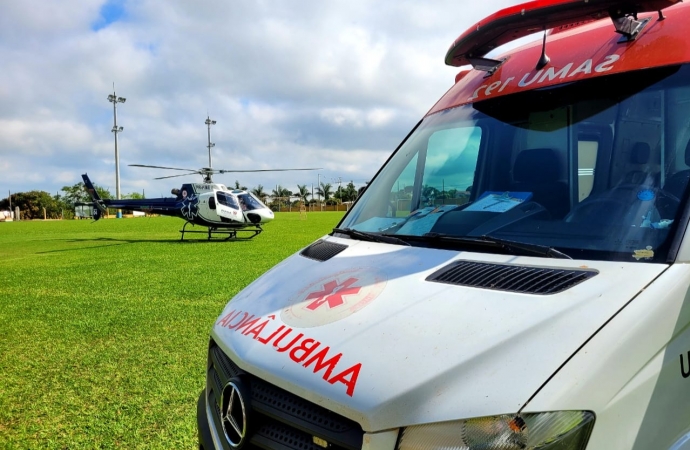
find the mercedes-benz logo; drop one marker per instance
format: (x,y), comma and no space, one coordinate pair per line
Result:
(233,414)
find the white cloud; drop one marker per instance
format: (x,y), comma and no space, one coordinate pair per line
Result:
(335,85)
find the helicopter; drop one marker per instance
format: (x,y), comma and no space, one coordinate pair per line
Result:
(233,213)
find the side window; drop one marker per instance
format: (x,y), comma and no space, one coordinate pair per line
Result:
(227,200)
(450,165)
(403,189)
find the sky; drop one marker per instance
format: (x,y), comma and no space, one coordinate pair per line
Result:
(334,85)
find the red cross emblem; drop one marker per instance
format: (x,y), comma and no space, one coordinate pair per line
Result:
(332,293)
(334,297)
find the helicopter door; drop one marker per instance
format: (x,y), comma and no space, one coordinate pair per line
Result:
(228,207)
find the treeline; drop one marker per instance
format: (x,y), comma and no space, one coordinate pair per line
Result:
(326,193)
(59,206)
(62,205)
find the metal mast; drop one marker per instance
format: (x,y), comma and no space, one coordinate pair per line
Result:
(114,99)
(209,122)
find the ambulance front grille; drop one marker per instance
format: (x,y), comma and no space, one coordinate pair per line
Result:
(322,250)
(512,278)
(278,418)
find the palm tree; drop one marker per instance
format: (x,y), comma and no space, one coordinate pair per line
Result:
(303,193)
(238,186)
(260,193)
(282,194)
(325,191)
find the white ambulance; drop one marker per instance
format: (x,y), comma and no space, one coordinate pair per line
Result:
(516,276)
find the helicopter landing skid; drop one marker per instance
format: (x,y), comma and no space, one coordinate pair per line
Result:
(248,233)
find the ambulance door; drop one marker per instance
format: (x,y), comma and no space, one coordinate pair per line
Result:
(227,206)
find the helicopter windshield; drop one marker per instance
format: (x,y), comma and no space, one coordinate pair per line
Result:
(249,202)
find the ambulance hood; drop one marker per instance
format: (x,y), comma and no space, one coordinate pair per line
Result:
(364,333)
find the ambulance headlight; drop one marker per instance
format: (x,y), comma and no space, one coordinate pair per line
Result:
(562,430)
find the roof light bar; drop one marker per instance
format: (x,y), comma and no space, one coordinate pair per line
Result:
(518,21)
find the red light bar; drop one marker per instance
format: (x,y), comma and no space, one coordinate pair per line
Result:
(538,15)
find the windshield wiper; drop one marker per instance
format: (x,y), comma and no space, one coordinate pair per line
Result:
(370,237)
(510,246)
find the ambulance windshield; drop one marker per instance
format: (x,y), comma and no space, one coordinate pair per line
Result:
(597,169)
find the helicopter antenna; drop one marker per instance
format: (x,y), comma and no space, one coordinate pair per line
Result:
(209,122)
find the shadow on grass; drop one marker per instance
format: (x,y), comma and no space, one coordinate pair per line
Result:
(121,241)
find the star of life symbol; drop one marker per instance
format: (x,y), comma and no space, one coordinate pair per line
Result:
(190,208)
(332,294)
(233,415)
(334,297)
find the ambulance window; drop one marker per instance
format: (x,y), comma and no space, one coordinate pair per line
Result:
(403,189)
(586,162)
(447,174)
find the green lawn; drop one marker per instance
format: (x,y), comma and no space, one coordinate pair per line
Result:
(104,326)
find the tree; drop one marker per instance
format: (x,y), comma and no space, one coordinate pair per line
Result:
(260,193)
(347,193)
(338,194)
(134,196)
(31,204)
(281,197)
(325,191)
(350,192)
(303,193)
(429,194)
(238,186)
(75,194)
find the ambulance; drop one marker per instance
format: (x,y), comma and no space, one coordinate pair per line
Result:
(515,276)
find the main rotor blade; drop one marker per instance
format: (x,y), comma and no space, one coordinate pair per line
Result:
(175,176)
(161,167)
(262,170)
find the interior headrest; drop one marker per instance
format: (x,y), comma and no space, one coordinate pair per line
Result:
(639,154)
(536,165)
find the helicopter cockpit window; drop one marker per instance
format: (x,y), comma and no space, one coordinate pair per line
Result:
(227,200)
(248,202)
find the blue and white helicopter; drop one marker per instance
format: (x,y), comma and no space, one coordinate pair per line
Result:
(225,212)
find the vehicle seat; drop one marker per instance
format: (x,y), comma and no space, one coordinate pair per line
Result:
(676,183)
(538,171)
(639,155)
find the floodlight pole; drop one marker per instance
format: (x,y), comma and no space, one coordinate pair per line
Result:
(318,191)
(114,99)
(209,122)
(340,184)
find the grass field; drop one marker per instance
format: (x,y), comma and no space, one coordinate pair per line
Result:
(104,326)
